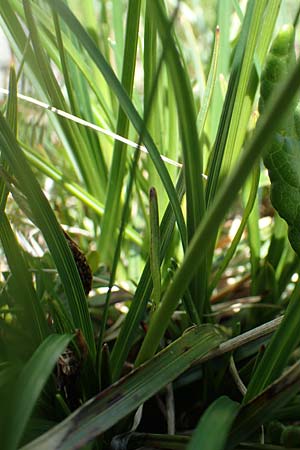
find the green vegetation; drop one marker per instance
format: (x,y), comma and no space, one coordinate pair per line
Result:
(149,292)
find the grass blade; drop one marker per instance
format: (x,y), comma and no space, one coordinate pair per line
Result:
(28,387)
(31,315)
(118,165)
(230,252)
(279,349)
(46,220)
(73,188)
(126,104)
(214,426)
(264,406)
(143,291)
(192,156)
(198,246)
(116,402)
(11,115)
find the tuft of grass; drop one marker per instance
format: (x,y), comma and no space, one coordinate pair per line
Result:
(192,310)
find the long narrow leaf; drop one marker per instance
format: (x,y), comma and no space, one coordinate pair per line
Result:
(116,402)
(143,291)
(278,351)
(28,387)
(192,157)
(214,426)
(52,231)
(126,104)
(263,407)
(31,315)
(118,165)
(73,188)
(199,244)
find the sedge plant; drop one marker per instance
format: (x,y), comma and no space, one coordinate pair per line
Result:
(148,286)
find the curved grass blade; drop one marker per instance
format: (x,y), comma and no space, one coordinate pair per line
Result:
(46,220)
(230,252)
(210,224)
(118,166)
(116,258)
(31,315)
(12,119)
(248,418)
(210,85)
(214,426)
(80,101)
(278,350)
(126,104)
(143,291)
(102,412)
(252,47)
(263,407)
(28,387)
(224,14)
(53,91)
(73,188)
(192,155)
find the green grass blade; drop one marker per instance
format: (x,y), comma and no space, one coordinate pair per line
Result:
(199,245)
(79,145)
(192,156)
(278,241)
(214,426)
(11,115)
(31,314)
(187,117)
(279,349)
(80,101)
(230,252)
(143,291)
(248,419)
(28,387)
(46,220)
(210,86)
(45,167)
(126,104)
(238,104)
(12,103)
(246,89)
(253,230)
(116,402)
(156,86)
(263,407)
(224,12)
(252,47)
(118,166)
(229,103)
(118,26)
(116,258)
